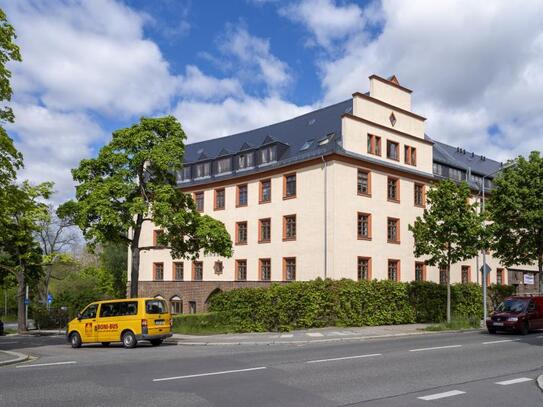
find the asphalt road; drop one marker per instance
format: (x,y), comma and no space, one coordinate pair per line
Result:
(460,369)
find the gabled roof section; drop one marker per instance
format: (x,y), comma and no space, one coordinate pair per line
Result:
(224,152)
(246,146)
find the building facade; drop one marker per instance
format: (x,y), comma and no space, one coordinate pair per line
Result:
(327,194)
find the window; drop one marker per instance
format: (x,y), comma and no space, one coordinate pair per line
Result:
(265,269)
(264,233)
(420,271)
(438,169)
(178,271)
(199,200)
(364,226)
(477,179)
(267,155)
(289,227)
(500,276)
(374,144)
(393,150)
(466,274)
(393,230)
(410,155)
(183,174)
(241,233)
(241,270)
(456,174)
(242,195)
(118,309)
(176,305)
(393,189)
(197,271)
(202,170)
(192,307)
(158,271)
(442,275)
(364,268)
(363,185)
(419,195)
(89,312)
(224,165)
(219,199)
(265,191)
(394,270)
(218,267)
(157,234)
(289,186)
(289,268)
(245,161)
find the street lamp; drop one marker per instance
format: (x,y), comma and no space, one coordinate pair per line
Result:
(485,266)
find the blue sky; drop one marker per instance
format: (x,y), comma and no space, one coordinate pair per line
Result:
(90,67)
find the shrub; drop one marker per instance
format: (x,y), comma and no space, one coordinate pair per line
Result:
(497,293)
(207,323)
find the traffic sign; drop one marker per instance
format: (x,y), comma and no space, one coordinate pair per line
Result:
(27,301)
(49,298)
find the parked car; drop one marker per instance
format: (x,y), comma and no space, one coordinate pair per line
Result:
(127,321)
(1,328)
(517,314)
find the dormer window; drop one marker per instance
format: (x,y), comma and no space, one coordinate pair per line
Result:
(267,155)
(224,165)
(245,160)
(183,174)
(202,170)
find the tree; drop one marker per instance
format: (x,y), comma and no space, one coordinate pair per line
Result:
(516,210)
(450,229)
(132,181)
(113,261)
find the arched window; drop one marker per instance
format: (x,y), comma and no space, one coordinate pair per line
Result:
(176,305)
(159,296)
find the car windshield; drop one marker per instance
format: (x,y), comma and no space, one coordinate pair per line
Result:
(512,305)
(155,306)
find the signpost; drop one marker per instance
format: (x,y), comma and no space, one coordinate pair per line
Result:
(485,269)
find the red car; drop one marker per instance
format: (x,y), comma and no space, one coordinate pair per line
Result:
(518,314)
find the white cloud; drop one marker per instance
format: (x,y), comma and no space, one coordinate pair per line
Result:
(197,85)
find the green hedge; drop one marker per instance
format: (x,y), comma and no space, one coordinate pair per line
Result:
(319,303)
(201,324)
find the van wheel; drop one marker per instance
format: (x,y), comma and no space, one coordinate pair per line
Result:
(75,340)
(105,344)
(156,342)
(129,340)
(491,331)
(525,328)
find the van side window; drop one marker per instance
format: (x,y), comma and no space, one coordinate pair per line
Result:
(118,309)
(89,312)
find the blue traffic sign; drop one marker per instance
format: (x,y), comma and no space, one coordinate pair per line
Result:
(49,298)
(27,301)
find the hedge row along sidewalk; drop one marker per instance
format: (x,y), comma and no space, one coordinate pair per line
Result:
(320,303)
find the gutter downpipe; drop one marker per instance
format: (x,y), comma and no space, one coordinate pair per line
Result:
(325,216)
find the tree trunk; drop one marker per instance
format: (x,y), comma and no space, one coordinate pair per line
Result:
(449,292)
(540,266)
(135,266)
(21,294)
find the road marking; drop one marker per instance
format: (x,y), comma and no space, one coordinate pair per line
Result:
(71,362)
(539,337)
(339,333)
(500,341)
(344,358)
(435,348)
(313,334)
(514,381)
(209,374)
(287,336)
(5,343)
(442,395)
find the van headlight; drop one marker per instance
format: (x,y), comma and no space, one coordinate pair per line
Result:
(512,319)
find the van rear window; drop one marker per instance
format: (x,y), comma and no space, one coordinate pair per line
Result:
(155,307)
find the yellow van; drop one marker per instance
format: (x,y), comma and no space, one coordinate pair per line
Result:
(127,321)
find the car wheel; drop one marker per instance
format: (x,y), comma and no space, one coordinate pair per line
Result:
(156,342)
(105,344)
(491,331)
(525,328)
(129,340)
(75,340)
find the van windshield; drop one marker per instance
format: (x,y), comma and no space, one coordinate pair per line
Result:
(155,307)
(513,305)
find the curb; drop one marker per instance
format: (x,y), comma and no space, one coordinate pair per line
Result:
(540,382)
(19,357)
(304,342)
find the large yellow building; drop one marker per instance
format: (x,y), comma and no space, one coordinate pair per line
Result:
(327,194)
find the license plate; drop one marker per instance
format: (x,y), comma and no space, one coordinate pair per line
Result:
(159,322)
(498,323)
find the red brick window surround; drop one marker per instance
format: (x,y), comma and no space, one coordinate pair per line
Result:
(393,150)
(363,226)
(158,271)
(289,227)
(393,189)
(289,186)
(197,270)
(410,155)
(199,201)
(419,195)
(374,144)
(393,270)
(363,184)
(466,274)
(178,271)
(241,270)
(420,271)
(265,269)
(393,230)
(220,199)
(218,267)
(442,275)
(500,276)
(289,268)
(264,230)
(157,233)
(264,195)
(364,268)
(241,232)
(241,195)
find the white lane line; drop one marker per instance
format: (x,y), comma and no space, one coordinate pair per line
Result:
(435,348)
(539,337)
(345,358)
(71,362)
(287,336)
(314,334)
(500,341)
(209,374)
(514,381)
(442,395)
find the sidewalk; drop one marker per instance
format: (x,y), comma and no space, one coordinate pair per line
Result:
(330,334)
(9,357)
